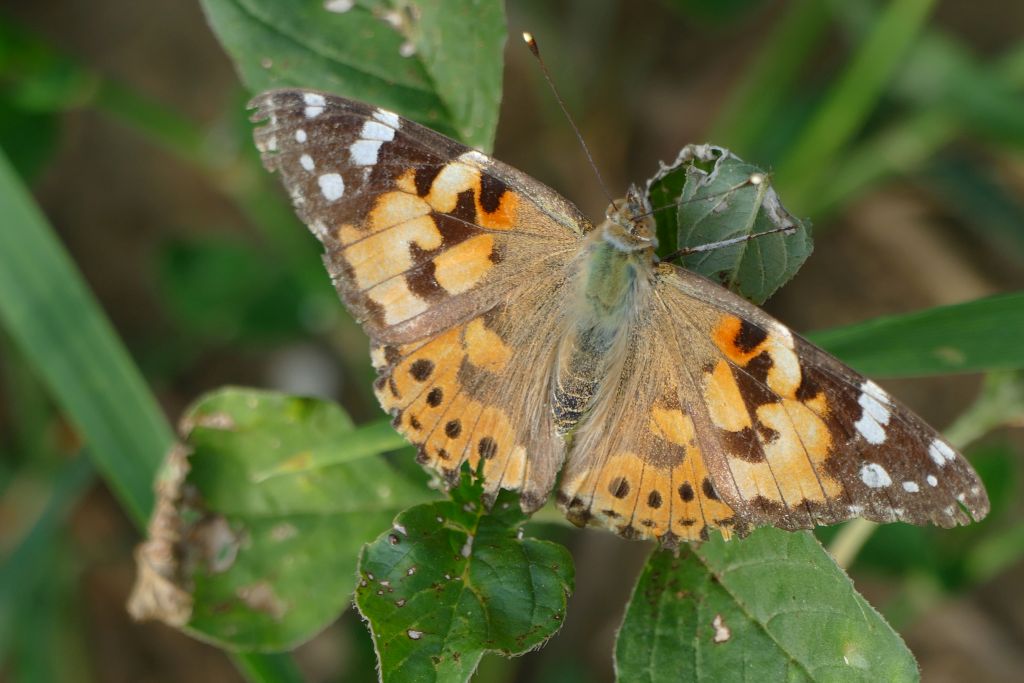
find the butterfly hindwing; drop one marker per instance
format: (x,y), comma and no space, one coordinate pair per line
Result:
(638,463)
(420,231)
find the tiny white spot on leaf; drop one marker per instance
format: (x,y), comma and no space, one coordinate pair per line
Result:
(467,548)
(722,632)
(415,635)
(339,6)
(407,49)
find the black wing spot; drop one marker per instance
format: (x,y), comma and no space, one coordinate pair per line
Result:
(421,369)
(487,448)
(619,487)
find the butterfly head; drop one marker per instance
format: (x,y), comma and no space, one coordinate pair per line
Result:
(628,224)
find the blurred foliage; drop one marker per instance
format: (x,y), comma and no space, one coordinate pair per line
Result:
(904,101)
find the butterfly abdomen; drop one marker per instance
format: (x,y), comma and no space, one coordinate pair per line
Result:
(609,284)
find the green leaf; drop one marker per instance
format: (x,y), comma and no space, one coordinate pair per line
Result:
(268,562)
(450,581)
(437,63)
(773,606)
(977,335)
(709,195)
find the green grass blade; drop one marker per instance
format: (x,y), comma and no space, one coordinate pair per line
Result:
(58,325)
(267,668)
(904,145)
(766,84)
(852,98)
(50,314)
(975,336)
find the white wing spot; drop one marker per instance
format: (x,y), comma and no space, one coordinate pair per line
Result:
(911,487)
(388,117)
(300,136)
(476,156)
(941,453)
(364,152)
(332,186)
(873,401)
(874,476)
(315,104)
(319,229)
(307,162)
(271,145)
(375,130)
(932,480)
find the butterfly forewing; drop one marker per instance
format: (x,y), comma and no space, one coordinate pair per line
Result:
(420,231)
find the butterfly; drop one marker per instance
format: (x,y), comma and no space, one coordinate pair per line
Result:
(510,332)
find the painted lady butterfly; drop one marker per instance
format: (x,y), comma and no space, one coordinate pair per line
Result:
(509,330)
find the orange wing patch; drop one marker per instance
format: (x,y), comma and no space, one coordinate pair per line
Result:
(432,236)
(780,439)
(424,387)
(663,490)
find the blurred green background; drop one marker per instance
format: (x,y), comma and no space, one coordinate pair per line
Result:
(896,127)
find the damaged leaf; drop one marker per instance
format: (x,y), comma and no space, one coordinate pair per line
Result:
(772,607)
(258,563)
(708,195)
(450,581)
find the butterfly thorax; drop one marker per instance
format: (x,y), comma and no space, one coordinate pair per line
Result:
(611,274)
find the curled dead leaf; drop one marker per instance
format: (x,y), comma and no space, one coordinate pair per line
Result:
(157,593)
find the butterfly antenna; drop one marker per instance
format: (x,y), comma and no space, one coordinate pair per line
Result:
(531,42)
